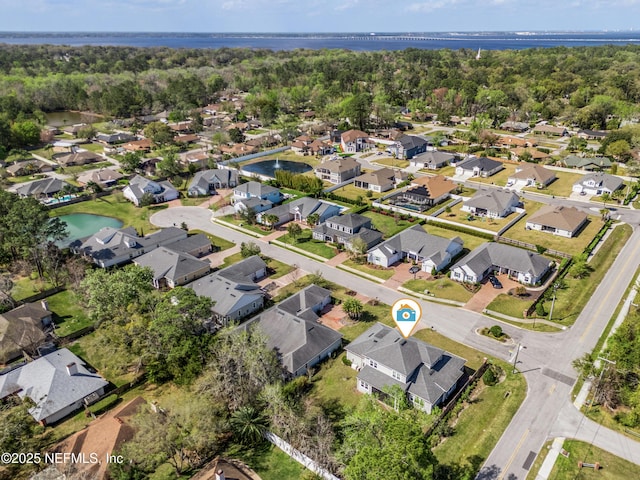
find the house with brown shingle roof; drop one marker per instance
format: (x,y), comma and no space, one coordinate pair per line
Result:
(424,193)
(143,145)
(338,170)
(550,130)
(557,220)
(506,141)
(380,180)
(535,154)
(353,141)
(531,175)
(78,158)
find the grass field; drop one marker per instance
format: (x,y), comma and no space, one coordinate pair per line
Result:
(440,288)
(352,192)
(561,187)
(219,243)
(68,313)
(306,242)
(492,224)
(383,273)
(470,241)
(268,461)
(390,162)
(571,300)
(28,286)
(242,223)
(115,206)
(336,382)
(613,468)
(387,224)
(572,246)
(510,305)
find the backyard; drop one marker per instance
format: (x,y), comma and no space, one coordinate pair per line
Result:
(470,241)
(468,219)
(572,246)
(352,192)
(68,313)
(390,162)
(387,224)
(560,187)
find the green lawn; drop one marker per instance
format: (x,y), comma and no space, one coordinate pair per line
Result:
(499,178)
(28,286)
(218,242)
(115,206)
(68,313)
(336,382)
(560,187)
(440,288)
(572,246)
(387,224)
(380,272)
(613,468)
(391,162)
(510,305)
(242,223)
(268,461)
(470,241)
(231,259)
(78,169)
(352,192)
(492,224)
(571,300)
(306,242)
(26,178)
(281,269)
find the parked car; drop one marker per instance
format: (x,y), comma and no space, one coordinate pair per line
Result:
(495,282)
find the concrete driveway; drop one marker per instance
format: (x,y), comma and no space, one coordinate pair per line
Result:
(487,293)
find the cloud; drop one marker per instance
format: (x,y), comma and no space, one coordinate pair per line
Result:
(426,7)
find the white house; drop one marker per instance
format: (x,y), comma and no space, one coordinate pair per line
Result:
(557,220)
(597,183)
(492,203)
(139,186)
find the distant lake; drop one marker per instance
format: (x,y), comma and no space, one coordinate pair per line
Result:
(80,225)
(61,119)
(362,41)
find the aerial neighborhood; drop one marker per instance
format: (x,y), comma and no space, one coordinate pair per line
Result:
(218,269)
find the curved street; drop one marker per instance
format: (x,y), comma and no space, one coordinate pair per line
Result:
(545,359)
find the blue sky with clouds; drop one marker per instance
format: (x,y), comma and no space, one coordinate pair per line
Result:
(317,15)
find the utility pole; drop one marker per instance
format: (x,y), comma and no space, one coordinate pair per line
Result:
(515,360)
(553,301)
(595,391)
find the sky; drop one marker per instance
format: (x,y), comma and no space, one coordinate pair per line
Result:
(297,16)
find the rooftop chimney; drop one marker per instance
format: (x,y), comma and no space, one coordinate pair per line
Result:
(220,475)
(45,304)
(72,368)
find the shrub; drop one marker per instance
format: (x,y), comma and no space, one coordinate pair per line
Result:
(540,309)
(346,361)
(496,331)
(489,377)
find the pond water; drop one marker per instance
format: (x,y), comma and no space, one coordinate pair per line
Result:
(268,167)
(62,119)
(80,225)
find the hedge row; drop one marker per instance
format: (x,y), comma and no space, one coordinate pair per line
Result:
(598,237)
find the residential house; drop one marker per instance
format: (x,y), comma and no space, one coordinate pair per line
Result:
(234,290)
(19,169)
(197,245)
(557,220)
(23,330)
(533,154)
(206,182)
(172,268)
(531,175)
(254,204)
(479,167)
(431,252)
(380,180)
(514,126)
(506,141)
(346,229)
(383,358)
(186,139)
(492,203)
(74,129)
(111,246)
(58,384)
(299,210)
(139,186)
(338,170)
(45,188)
(114,138)
(293,331)
(263,141)
(300,147)
(433,159)
(587,163)
(78,158)
(238,149)
(321,147)
(148,165)
(181,127)
(103,436)
(353,141)
(597,183)
(408,146)
(143,145)
(105,177)
(550,130)
(254,189)
(592,134)
(199,159)
(212,109)
(424,193)
(524,266)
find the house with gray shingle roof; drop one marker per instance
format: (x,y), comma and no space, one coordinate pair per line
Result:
(380,180)
(254,189)
(345,229)
(139,186)
(111,246)
(430,251)
(293,331)
(338,170)
(206,182)
(525,266)
(587,163)
(171,268)
(479,167)
(23,329)
(234,290)
(597,183)
(299,210)
(58,383)
(428,375)
(492,203)
(408,146)
(45,188)
(433,159)
(254,203)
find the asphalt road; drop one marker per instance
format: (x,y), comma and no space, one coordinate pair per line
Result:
(545,359)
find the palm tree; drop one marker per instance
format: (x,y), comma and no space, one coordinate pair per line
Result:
(294,230)
(353,307)
(271,220)
(249,424)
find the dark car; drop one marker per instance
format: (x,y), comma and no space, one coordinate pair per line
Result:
(495,282)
